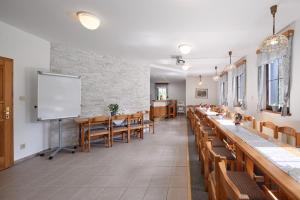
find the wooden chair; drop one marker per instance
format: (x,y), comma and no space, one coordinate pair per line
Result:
(136,125)
(98,127)
(119,128)
(211,152)
(172,109)
(269,125)
(248,118)
(290,132)
(148,123)
(237,185)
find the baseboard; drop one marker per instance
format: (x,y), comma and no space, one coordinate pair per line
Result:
(29,157)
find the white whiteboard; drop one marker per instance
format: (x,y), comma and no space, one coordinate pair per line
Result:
(59,96)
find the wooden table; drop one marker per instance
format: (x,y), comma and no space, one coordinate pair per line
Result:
(80,122)
(249,155)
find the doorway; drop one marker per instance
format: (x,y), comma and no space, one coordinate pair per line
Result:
(6,113)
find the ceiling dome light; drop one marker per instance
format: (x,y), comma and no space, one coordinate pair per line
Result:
(88,20)
(186,67)
(184,48)
(275,42)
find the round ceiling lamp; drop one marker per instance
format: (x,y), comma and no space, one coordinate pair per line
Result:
(216,77)
(230,66)
(186,67)
(88,20)
(184,48)
(200,81)
(275,42)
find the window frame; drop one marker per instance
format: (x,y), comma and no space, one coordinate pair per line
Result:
(268,90)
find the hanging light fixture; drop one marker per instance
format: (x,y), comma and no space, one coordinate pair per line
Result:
(186,67)
(185,48)
(88,20)
(275,42)
(230,66)
(216,77)
(200,81)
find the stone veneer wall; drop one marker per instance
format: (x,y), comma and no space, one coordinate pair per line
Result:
(105,80)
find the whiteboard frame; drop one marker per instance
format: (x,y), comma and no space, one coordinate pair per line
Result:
(61,75)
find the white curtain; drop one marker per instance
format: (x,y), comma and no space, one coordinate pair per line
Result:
(285,67)
(261,88)
(223,85)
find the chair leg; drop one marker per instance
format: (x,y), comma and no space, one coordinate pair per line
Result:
(153,128)
(128,136)
(89,143)
(82,139)
(112,139)
(109,141)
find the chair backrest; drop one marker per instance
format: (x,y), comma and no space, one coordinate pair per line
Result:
(100,120)
(269,125)
(248,118)
(137,118)
(228,187)
(119,117)
(290,132)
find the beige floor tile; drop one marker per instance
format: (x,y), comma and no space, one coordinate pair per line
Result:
(177,194)
(88,194)
(178,181)
(156,193)
(152,169)
(113,193)
(140,181)
(160,181)
(134,193)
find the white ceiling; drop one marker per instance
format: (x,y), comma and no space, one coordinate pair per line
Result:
(149,31)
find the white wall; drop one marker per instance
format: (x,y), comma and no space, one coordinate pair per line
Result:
(30,54)
(207,83)
(252,94)
(177,90)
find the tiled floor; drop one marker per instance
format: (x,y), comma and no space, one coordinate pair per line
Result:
(156,168)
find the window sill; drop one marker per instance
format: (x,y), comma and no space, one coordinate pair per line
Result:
(277,113)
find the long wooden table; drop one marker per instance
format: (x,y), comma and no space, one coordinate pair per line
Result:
(249,155)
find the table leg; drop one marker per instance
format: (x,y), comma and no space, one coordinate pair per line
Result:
(239,159)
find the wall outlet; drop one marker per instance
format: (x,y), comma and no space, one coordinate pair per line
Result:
(22,146)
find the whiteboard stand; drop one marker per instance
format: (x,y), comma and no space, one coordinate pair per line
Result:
(60,147)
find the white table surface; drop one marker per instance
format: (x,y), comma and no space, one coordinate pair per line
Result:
(282,158)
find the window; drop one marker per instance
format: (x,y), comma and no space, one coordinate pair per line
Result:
(239,84)
(275,84)
(240,81)
(162,93)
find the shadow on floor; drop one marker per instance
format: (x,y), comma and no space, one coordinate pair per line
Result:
(197,181)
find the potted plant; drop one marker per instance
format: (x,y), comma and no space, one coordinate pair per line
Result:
(237,118)
(113,108)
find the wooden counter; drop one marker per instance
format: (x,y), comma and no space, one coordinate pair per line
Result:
(162,109)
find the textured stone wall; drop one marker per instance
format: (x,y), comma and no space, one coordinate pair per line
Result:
(105,80)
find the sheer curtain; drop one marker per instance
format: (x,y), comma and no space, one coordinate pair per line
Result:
(285,67)
(223,85)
